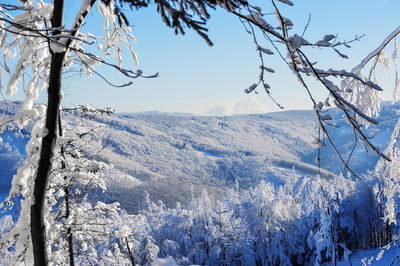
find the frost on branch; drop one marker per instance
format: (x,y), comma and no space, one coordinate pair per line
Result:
(265,50)
(383,60)
(296,41)
(115,35)
(251,88)
(257,19)
(387,185)
(22,184)
(364,97)
(396,90)
(288,2)
(27,42)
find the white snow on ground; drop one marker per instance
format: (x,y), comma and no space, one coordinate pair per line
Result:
(389,255)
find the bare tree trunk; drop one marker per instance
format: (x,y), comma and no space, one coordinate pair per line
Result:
(130,252)
(38,232)
(69,229)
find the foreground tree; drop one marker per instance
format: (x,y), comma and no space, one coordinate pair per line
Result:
(42,41)
(38,33)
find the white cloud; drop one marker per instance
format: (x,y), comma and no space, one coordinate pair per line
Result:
(246,105)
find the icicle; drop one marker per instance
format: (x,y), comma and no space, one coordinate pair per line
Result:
(383,59)
(396,90)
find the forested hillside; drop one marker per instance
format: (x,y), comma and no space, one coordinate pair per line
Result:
(171,155)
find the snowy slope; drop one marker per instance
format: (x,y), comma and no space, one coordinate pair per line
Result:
(388,255)
(167,155)
(171,155)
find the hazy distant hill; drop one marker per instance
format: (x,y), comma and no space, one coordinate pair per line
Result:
(171,155)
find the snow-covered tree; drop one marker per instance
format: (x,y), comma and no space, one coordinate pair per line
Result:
(295,224)
(33,34)
(35,31)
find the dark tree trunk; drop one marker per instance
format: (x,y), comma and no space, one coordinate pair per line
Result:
(45,161)
(130,252)
(69,229)
(38,232)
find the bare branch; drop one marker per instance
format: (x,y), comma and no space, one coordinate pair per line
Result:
(376,52)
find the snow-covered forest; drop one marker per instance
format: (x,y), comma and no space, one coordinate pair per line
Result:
(220,199)
(85,186)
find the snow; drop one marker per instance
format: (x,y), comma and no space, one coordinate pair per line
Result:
(265,50)
(388,255)
(376,51)
(85,6)
(297,41)
(164,262)
(284,198)
(157,151)
(174,157)
(288,2)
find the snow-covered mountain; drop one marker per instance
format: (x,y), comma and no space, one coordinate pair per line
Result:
(173,156)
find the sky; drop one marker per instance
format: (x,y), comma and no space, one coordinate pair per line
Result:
(195,78)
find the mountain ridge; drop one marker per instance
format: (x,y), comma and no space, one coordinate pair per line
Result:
(174,156)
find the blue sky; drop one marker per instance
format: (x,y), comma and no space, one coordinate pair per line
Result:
(196,78)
